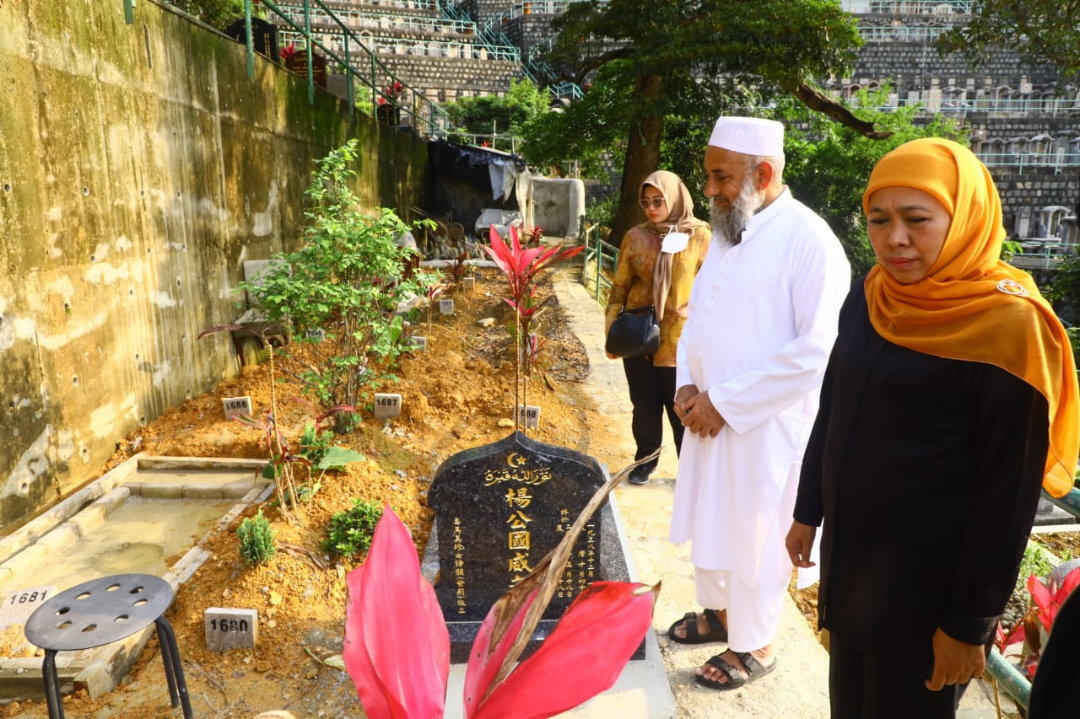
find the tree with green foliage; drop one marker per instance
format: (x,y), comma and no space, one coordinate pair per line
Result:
(338,292)
(506,115)
(1042,31)
(691,59)
(828,164)
(216,13)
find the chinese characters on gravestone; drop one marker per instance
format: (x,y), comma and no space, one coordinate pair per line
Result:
(264,36)
(499,510)
(297,63)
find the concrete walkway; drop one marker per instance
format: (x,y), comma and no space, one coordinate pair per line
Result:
(799,686)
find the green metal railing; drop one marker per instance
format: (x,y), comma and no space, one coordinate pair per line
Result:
(1015,684)
(334,38)
(907,7)
(384,86)
(380,80)
(600,259)
(366,20)
(539,67)
(902,33)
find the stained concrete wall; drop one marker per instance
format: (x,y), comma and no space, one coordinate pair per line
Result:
(558,205)
(139,168)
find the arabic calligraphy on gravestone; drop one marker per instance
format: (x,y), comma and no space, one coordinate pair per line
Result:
(499,509)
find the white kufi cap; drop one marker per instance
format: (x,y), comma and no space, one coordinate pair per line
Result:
(749,136)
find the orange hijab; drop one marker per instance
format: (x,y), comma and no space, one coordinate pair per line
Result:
(972,306)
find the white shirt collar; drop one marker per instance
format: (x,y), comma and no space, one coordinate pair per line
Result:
(777,206)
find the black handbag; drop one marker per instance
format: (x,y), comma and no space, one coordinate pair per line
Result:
(634,333)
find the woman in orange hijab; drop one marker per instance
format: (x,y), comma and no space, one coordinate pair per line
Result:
(949,402)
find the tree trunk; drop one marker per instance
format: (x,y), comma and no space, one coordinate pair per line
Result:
(642,154)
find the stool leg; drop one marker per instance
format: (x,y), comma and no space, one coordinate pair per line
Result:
(53,700)
(165,632)
(166,659)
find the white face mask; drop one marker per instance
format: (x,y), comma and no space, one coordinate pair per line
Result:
(674,241)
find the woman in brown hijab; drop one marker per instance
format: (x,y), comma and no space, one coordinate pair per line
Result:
(657,264)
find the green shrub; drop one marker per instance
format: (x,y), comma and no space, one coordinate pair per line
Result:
(336,294)
(256,540)
(349,533)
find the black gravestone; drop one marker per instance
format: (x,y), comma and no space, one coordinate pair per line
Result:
(499,509)
(264,36)
(297,63)
(388,114)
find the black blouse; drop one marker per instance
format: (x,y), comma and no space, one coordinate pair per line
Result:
(927,473)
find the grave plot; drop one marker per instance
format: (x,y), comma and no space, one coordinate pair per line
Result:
(456,394)
(147,516)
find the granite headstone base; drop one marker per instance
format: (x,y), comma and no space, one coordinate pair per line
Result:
(1049,513)
(613,568)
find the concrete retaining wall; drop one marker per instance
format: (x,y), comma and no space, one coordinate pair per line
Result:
(139,168)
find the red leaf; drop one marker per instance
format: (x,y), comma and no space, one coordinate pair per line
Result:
(397,649)
(572,658)
(1071,582)
(1041,596)
(515,239)
(1015,636)
(336,409)
(499,253)
(485,660)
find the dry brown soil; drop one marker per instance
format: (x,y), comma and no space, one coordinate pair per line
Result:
(455,396)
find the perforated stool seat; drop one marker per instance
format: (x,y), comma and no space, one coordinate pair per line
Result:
(100,612)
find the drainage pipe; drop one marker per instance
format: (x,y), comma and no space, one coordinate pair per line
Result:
(1009,677)
(1070,502)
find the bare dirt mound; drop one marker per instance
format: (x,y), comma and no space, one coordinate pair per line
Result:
(458,394)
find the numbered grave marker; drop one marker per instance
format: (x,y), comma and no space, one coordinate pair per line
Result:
(228,629)
(387,406)
(446,307)
(315,334)
(21,603)
(235,406)
(418,343)
(532,416)
(468,283)
(479,276)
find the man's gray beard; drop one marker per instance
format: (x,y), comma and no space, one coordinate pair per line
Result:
(730,224)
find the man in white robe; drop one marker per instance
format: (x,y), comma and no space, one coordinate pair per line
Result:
(762,321)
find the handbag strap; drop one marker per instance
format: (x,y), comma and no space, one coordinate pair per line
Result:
(637,311)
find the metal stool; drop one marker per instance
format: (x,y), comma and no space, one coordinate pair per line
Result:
(100,612)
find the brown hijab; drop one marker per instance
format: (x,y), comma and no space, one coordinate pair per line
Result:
(680,217)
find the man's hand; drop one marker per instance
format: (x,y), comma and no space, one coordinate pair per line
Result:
(611,356)
(955,662)
(700,417)
(799,542)
(682,396)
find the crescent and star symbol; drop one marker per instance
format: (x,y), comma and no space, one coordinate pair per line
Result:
(515,460)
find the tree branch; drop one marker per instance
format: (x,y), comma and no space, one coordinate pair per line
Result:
(595,63)
(824,104)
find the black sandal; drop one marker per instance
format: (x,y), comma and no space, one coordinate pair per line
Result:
(716,633)
(736,678)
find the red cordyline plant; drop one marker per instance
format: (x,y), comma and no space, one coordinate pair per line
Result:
(1048,597)
(434,290)
(397,649)
(521,266)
